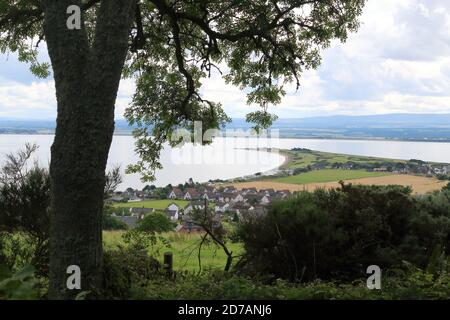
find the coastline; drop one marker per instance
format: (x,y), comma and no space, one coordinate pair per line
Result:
(121,134)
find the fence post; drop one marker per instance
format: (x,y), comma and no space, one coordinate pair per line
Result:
(168,263)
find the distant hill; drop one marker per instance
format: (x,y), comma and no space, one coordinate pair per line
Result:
(435,127)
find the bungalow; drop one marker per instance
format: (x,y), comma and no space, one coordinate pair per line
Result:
(199,205)
(188,226)
(176,193)
(140,212)
(208,196)
(172,215)
(191,194)
(228,195)
(173,211)
(131,222)
(239,207)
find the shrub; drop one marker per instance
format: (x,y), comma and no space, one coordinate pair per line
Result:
(336,234)
(125,267)
(156,222)
(112,223)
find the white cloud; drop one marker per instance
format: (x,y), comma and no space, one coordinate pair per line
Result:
(18,100)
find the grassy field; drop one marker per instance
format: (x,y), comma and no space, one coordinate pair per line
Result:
(419,184)
(303,158)
(155,204)
(327,176)
(185,250)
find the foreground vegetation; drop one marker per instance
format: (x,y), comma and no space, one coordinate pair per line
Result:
(314,245)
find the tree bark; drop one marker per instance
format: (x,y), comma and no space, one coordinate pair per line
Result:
(87,78)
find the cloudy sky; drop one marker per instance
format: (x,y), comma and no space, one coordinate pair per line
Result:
(399,61)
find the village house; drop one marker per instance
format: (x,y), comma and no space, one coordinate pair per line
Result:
(188,226)
(239,207)
(208,196)
(191,194)
(173,211)
(199,205)
(130,221)
(140,212)
(176,193)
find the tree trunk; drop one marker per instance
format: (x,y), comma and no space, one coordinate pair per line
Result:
(86,79)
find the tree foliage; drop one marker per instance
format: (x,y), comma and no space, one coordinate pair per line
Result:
(259,46)
(24,202)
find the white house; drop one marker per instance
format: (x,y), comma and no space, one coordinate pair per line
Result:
(191,194)
(173,211)
(176,193)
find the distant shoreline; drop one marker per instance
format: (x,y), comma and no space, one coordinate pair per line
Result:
(281,137)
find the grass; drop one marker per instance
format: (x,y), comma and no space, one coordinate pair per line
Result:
(184,248)
(301,159)
(327,176)
(155,204)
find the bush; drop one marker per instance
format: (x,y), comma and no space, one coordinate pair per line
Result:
(112,223)
(156,222)
(336,234)
(124,268)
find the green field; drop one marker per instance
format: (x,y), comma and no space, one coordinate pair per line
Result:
(185,250)
(304,158)
(155,204)
(328,175)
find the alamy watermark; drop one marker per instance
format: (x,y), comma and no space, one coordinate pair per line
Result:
(74,20)
(374,280)
(74,280)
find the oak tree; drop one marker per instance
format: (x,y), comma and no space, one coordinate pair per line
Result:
(169,47)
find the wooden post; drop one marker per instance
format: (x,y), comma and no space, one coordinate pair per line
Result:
(168,263)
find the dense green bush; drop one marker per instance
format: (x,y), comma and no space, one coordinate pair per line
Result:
(124,268)
(112,223)
(156,222)
(337,234)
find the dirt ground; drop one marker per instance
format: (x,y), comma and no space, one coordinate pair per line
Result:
(420,185)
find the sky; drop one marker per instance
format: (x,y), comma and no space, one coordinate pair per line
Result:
(398,62)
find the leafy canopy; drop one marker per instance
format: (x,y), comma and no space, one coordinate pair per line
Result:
(257,45)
